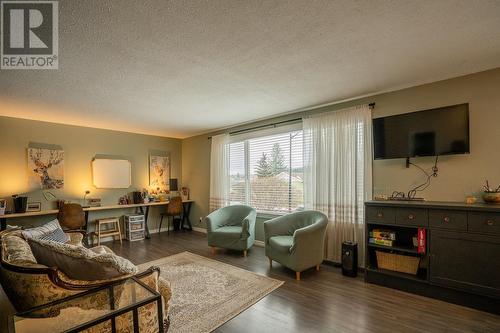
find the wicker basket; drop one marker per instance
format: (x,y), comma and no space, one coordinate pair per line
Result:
(397,262)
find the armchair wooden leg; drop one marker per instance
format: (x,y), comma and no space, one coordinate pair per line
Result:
(244,253)
(297,276)
(270,262)
(317,267)
(212,250)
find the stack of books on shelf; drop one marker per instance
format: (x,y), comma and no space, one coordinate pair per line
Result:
(382,237)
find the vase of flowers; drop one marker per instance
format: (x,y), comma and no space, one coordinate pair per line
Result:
(490,194)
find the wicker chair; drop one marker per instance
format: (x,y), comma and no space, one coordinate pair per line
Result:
(174,209)
(71,217)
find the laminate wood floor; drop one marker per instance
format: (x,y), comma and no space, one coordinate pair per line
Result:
(323,301)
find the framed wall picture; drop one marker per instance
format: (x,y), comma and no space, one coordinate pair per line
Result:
(159,170)
(34,207)
(46,168)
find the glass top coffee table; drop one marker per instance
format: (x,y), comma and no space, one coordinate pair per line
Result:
(98,306)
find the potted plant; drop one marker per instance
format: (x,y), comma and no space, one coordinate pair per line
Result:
(491,195)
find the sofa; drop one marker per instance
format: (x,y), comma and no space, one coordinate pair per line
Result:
(29,284)
(231,227)
(296,240)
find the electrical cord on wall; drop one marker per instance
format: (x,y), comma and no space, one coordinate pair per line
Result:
(396,195)
(413,192)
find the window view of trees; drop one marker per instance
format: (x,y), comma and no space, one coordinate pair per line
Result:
(275,173)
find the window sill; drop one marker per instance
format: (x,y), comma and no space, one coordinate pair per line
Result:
(269,215)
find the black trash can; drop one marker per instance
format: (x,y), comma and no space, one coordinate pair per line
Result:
(20,204)
(350,259)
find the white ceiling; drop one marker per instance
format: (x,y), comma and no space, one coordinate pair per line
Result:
(178,68)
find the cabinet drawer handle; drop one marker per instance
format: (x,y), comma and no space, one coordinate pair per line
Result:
(380,214)
(446,219)
(489,222)
(411,217)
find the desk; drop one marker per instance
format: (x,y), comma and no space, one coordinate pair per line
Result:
(143,208)
(186,210)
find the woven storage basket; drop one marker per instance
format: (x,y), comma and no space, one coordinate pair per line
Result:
(397,262)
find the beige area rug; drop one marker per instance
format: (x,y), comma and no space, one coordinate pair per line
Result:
(207,293)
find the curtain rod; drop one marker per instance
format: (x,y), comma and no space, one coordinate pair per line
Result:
(251,129)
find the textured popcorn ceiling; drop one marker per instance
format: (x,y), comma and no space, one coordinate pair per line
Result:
(178,68)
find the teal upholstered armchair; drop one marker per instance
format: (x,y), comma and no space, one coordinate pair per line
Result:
(232,227)
(296,240)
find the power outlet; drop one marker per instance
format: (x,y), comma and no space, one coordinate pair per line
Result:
(201,220)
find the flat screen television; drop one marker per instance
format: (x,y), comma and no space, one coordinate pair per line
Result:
(440,131)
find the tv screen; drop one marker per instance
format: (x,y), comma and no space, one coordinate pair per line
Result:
(441,131)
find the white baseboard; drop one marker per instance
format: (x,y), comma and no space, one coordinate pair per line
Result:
(112,239)
(204,231)
(155,230)
(259,243)
(198,229)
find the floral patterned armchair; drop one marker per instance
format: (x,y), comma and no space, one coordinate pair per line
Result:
(29,284)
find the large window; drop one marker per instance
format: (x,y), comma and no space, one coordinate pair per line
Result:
(267,172)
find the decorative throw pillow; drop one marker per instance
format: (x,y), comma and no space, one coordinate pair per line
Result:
(52,228)
(57,235)
(80,263)
(17,251)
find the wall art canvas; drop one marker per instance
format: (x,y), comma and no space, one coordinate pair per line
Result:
(46,168)
(159,171)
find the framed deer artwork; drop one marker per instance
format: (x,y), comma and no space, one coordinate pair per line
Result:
(45,168)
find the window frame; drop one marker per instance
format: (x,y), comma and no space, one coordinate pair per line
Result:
(245,138)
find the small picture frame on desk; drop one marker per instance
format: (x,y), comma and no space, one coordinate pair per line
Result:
(3,206)
(94,202)
(185,193)
(34,207)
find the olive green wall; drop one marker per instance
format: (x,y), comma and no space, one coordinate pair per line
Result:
(80,145)
(459,175)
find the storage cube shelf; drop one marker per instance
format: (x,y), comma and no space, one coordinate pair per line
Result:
(134,227)
(401,252)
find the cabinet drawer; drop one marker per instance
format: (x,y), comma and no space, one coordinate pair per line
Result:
(412,216)
(488,223)
(134,218)
(135,235)
(135,226)
(448,219)
(381,215)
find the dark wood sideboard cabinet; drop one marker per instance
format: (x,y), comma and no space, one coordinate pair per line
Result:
(460,261)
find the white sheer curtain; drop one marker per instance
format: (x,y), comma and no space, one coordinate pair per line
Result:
(338,173)
(219,172)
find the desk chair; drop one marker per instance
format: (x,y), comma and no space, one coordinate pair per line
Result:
(174,209)
(72,219)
